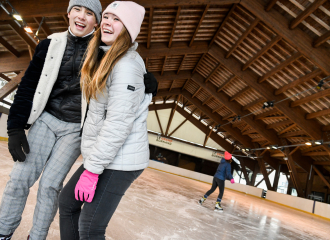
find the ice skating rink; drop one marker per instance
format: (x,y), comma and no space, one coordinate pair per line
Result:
(163,206)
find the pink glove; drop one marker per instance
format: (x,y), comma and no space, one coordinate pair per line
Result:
(85,187)
(232,180)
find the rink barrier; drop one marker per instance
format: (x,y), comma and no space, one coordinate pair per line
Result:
(249,190)
(3,139)
(321,210)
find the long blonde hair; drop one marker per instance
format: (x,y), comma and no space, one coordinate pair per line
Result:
(95,71)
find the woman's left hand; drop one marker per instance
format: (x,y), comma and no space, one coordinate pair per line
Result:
(85,187)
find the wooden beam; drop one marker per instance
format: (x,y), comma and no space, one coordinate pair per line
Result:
(218,108)
(311,149)
(194,95)
(318,114)
(312,97)
(308,11)
(309,181)
(264,172)
(223,23)
(321,176)
(242,37)
(24,35)
(252,104)
(44,26)
(3,76)
(297,115)
(270,5)
(184,57)
(9,47)
(230,115)
(280,66)
(207,99)
(213,72)
(268,46)
(151,16)
(246,127)
(174,26)
(297,37)
(258,139)
(216,118)
(11,86)
(287,129)
(225,84)
(160,125)
(266,114)
(299,81)
(163,68)
(246,176)
(249,131)
(276,178)
(240,93)
(177,48)
(172,85)
(172,115)
(153,107)
(279,124)
(164,93)
(208,135)
(320,40)
(325,163)
(199,24)
(180,125)
(199,62)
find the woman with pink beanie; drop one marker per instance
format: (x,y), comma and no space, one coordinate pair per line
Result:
(223,172)
(114,145)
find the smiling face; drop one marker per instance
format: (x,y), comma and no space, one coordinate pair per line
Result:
(111,27)
(82,21)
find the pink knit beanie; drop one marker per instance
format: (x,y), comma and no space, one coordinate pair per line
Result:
(130,13)
(227,155)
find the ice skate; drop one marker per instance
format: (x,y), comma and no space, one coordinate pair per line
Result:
(218,207)
(201,200)
(7,237)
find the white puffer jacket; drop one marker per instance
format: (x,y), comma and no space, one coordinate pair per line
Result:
(115,131)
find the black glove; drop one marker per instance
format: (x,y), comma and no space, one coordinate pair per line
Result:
(150,83)
(17,140)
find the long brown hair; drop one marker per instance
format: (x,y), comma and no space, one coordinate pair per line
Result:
(95,71)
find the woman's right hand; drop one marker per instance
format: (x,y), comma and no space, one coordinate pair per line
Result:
(232,181)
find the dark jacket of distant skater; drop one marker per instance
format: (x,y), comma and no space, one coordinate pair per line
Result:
(224,170)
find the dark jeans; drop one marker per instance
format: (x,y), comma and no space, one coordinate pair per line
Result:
(217,182)
(91,221)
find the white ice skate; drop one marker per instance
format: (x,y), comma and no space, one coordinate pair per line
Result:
(218,207)
(201,200)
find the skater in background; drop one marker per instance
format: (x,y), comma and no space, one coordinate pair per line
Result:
(114,145)
(223,172)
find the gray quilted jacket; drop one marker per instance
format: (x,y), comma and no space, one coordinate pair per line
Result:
(115,131)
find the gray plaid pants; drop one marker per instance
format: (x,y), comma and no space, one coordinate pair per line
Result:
(54,147)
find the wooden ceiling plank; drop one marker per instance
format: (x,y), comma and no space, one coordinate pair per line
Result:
(199,62)
(287,129)
(151,11)
(174,26)
(223,23)
(268,46)
(249,132)
(240,93)
(316,154)
(308,11)
(266,114)
(200,88)
(252,104)
(280,66)
(3,76)
(199,24)
(309,98)
(208,135)
(225,84)
(242,37)
(297,37)
(213,72)
(299,81)
(207,99)
(9,47)
(218,108)
(292,134)
(297,115)
(164,64)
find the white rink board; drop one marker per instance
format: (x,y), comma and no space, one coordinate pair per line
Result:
(205,178)
(322,209)
(3,125)
(291,201)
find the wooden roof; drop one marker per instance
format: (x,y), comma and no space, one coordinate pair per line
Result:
(225,58)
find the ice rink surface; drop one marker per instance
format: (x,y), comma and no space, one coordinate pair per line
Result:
(164,206)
